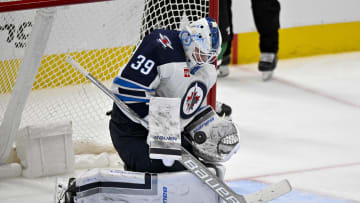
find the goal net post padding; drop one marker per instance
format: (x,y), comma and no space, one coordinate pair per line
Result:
(37,85)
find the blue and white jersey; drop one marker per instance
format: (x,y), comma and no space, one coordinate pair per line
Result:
(158,68)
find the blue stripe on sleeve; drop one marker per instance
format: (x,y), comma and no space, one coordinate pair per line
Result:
(128,84)
(126,99)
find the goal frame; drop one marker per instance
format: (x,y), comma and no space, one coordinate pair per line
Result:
(35,4)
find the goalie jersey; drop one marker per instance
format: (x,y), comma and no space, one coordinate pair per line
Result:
(158,68)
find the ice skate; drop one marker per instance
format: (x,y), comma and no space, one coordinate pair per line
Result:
(267,65)
(223,71)
(266,75)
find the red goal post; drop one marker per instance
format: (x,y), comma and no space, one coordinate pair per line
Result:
(100,34)
(34,4)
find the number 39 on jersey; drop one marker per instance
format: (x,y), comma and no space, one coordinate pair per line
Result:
(143,64)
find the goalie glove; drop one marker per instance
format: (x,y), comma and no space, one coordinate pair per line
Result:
(214,139)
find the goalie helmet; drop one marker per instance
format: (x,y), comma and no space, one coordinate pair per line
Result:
(213,139)
(201,40)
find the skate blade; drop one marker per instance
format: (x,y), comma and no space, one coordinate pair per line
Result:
(223,71)
(266,75)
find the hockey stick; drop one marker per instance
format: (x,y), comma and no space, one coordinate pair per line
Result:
(98,84)
(193,164)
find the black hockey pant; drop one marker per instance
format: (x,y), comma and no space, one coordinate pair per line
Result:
(266,16)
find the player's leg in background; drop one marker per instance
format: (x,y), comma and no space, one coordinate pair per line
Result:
(266,15)
(226,29)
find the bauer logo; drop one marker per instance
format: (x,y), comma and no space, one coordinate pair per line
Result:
(165,194)
(210,181)
(193,99)
(204,124)
(165,138)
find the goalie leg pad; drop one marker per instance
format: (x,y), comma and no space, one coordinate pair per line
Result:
(111,185)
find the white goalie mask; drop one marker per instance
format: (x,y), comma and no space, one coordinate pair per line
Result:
(201,41)
(214,139)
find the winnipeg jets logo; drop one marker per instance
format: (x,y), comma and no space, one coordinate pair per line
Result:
(193,99)
(164,40)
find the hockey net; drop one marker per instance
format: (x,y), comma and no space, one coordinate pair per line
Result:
(100,36)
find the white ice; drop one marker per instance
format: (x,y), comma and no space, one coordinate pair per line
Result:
(304,125)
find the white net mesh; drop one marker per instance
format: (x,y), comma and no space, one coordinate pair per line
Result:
(101,37)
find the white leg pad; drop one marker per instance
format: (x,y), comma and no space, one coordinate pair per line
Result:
(111,185)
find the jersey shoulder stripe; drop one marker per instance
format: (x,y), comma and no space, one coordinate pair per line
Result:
(127,84)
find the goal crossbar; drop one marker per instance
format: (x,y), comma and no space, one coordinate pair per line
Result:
(34,4)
